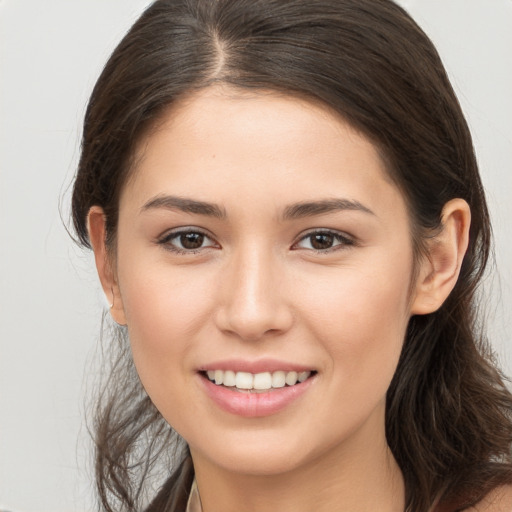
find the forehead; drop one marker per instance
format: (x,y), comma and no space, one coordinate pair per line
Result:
(231,142)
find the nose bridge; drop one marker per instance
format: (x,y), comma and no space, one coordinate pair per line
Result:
(253,300)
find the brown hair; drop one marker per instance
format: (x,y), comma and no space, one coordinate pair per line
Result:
(448,417)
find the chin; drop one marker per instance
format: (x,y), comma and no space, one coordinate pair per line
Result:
(257,462)
(261,453)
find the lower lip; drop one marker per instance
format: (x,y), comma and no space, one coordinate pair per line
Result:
(254,405)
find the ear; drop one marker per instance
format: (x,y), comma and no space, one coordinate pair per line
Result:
(104,264)
(440,267)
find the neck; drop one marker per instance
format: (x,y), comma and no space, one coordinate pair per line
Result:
(358,476)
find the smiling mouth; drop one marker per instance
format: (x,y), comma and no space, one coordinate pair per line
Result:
(256,382)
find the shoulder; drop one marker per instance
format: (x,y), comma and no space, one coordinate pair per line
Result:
(498,500)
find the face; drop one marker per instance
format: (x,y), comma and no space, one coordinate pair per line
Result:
(264,264)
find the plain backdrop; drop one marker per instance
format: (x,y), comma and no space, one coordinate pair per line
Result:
(51,52)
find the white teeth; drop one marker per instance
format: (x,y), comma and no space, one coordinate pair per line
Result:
(303,376)
(278,379)
(291,378)
(262,381)
(244,380)
(258,381)
(229,378)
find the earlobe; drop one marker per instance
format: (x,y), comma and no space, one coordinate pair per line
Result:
(440,267)
(104,264)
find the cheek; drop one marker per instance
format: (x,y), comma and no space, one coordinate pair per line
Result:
(361,321)
(165,308)
(162,303)
(163,318)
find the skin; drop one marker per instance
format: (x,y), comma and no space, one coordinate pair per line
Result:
(499,500)
(258,289)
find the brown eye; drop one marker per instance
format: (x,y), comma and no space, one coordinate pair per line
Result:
(186,241)
(322,241)
(192,240)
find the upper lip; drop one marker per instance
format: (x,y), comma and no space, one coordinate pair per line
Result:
(259,366)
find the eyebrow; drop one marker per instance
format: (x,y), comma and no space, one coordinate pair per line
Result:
(184,205)
(309,209)
(293,211)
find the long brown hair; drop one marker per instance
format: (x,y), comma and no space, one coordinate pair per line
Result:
(448,416)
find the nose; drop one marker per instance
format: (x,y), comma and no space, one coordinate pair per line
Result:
(253,302)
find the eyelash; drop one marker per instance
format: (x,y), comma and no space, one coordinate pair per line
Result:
(342,241)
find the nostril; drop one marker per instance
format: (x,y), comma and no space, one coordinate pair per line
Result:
(254,324)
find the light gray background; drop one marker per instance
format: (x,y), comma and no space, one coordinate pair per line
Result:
(50,303)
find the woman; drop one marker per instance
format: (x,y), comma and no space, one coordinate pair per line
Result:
(288,222)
